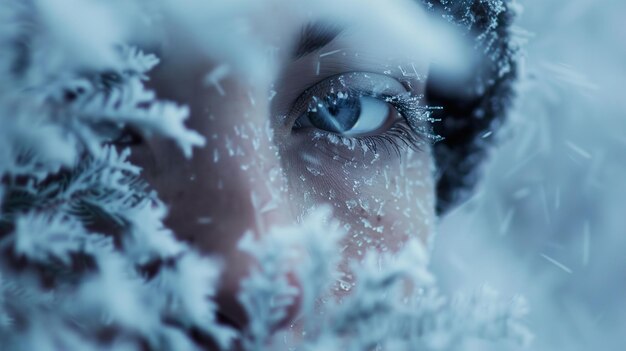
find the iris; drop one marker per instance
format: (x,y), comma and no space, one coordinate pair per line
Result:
(347,114)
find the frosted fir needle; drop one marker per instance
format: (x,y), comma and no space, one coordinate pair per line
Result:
(506,222)
(544,203)
(215,76)
(586,243)
(577,149)
(557,263)
(414,70)
(403,71)
(557,198)
(329,53)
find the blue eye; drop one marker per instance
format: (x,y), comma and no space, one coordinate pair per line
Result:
(363,109)
(347,114)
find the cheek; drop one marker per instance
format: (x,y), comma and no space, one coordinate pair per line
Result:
(382,198)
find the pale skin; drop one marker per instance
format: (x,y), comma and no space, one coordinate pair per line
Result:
(260,169)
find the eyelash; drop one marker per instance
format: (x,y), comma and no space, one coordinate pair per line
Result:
(397,138)
(413,131)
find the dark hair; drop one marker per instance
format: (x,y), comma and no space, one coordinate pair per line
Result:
(471,114)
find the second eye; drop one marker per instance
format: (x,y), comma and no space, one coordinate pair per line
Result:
(348,114)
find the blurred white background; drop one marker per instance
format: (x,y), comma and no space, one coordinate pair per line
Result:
(549,218)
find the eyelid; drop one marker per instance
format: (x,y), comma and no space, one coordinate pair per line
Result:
(364,83)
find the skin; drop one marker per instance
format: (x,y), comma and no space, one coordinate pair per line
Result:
(256,171)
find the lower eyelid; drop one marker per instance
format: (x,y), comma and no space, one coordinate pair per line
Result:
(398,139)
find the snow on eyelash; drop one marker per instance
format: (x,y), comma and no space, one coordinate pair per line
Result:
(418,116)
(413,131)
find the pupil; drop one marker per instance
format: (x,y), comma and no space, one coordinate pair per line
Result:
(336,114)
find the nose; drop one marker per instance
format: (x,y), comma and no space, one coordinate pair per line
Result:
(241,162)
(246,186)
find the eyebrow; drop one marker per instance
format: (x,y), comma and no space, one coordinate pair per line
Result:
(315,36)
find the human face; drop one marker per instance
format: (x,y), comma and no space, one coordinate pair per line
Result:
(328,116)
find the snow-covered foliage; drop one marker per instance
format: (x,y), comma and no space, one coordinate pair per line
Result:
(80,231)
(393,304)
(87,262)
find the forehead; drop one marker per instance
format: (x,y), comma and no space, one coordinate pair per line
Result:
(366,23)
